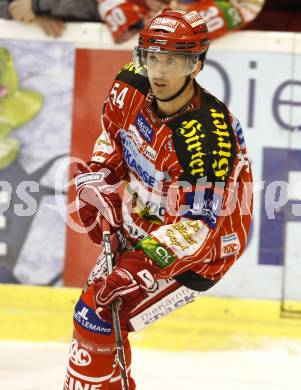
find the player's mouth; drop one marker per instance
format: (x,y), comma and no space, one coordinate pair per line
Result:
(159,85)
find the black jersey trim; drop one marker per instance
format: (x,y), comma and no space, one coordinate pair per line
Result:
(194,281)
(129,76)
(204,141)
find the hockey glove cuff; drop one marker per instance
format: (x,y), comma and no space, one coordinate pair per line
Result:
(131,281)
(97,196)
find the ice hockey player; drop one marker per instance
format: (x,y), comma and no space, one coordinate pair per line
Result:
(170,174)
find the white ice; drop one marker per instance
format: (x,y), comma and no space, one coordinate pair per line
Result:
(34,366)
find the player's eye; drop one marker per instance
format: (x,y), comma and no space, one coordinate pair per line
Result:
(170,61)
(152,59)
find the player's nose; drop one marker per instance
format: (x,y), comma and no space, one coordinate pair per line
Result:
(159,71)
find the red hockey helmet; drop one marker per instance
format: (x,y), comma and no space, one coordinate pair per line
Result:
(174,32)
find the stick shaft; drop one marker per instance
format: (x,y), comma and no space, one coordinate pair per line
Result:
(115,313)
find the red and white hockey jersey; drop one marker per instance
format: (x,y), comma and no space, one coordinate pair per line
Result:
(188,196)
(221,16)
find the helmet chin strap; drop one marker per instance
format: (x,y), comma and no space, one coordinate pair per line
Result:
(181,90)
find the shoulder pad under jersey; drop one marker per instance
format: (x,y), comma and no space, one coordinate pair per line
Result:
(129,75)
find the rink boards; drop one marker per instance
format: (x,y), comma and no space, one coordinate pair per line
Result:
(209,323)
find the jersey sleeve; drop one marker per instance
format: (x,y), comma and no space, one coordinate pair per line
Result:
(122,17)
(222,16)
(107,149)
(127,88)
(196,219)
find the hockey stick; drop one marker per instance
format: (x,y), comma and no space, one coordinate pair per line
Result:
(115,308)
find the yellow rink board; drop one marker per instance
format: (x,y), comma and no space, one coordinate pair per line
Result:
(210,323)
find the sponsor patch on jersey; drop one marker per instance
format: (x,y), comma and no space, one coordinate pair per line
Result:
(135,166)
(151,205)
(224,150)
(135,136)
(156,251)
(170,302)
(230,245)
(144,168)
(189,138)
(85,316)
(206,148)
(166,24)
(183,238)
(79,356)
(204,205)
(150,153)
(144,128)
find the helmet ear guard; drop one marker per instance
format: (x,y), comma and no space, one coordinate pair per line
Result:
(140,61)
(203,57)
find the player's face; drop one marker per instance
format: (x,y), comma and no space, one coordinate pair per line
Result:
(166,73)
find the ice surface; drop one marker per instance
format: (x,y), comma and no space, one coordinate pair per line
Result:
(41,366)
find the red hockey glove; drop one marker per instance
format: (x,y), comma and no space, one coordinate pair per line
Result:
(130,281)
(97,197)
